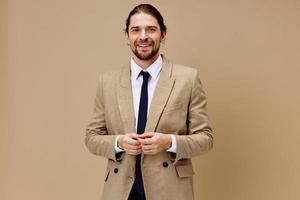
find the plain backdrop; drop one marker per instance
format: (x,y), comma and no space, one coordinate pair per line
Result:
(52,52)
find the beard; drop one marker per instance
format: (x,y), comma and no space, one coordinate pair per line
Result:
(145,55)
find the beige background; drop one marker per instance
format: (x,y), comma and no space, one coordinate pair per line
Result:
(52,52)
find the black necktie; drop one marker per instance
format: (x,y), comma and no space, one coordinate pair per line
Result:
(142,120)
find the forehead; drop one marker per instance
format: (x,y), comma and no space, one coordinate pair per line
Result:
(143,19)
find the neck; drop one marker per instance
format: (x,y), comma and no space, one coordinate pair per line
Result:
(145,63)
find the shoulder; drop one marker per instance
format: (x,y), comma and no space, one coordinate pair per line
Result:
(186,75)
(185,72)
(178,70)
(111,75)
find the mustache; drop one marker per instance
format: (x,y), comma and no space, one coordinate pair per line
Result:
(144,42)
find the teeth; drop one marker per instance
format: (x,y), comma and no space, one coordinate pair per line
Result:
(144,45)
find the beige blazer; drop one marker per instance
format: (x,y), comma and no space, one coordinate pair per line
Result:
(178,107)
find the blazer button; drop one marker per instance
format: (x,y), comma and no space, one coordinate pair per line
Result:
(165,164)
(116,170)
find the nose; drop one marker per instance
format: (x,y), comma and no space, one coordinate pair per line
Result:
(143,35)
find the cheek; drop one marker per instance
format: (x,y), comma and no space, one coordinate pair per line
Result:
(157,39)
(132,42)
(131,39)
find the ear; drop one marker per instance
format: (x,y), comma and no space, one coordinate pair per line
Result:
(126,37)
(163,37)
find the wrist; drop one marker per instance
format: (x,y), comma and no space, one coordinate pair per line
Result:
(169,141)
(120,142)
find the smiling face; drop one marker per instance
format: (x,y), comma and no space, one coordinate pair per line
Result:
(144,36)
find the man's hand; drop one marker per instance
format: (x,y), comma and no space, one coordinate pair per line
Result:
(153,143)
(130,144)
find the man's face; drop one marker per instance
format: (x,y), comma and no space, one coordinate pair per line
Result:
(144,36)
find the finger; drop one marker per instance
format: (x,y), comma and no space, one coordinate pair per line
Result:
(134,152)
(141,140)
(147,141)
(151,140)
(146,135)
(131,144)
(134,148)
(147,147)
(132,141)
(133,136)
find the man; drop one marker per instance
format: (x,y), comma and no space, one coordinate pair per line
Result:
(149,119)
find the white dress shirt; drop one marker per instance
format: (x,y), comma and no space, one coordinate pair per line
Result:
(136,83)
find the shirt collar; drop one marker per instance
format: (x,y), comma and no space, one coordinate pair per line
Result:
(153,69)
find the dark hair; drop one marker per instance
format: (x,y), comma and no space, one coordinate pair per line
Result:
(148,9)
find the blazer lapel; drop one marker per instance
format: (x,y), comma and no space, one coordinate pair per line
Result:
(125,101)
(161,95)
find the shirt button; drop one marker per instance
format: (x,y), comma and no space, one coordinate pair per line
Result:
(165,164)
(116,170)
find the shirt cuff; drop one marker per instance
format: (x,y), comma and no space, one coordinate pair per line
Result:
(173,146)
(117,149)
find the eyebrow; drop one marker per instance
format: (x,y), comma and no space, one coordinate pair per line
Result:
(134,27)
(152,27)
(137,27)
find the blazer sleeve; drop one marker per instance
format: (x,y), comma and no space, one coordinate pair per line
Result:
(97,139)
(199,138)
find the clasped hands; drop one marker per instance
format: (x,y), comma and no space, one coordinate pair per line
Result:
(149,143)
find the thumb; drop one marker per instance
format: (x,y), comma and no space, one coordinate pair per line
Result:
(147,135)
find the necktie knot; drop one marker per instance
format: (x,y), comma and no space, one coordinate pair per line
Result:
(145,75)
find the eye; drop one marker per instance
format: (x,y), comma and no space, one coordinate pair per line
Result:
(152,29)
(134,30)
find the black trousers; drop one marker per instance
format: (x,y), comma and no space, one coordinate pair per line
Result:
(134,195)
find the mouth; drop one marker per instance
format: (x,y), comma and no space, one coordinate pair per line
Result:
(144,44)
(144,47)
